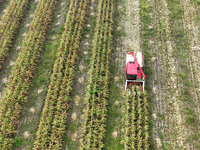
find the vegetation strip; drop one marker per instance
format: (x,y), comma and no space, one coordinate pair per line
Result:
(53,121)
(97,94)
(135,121)
(22,73)
(9,25)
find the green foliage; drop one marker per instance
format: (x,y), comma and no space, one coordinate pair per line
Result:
(97,92)
(192,118)
(18,141)
(53,119)
(10,22)
(22,72)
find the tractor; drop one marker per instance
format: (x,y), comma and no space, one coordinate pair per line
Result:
(135,70)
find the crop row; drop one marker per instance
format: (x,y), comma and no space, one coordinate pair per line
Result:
(97,90)
(9,25)
(53,120)
(20,79)
(135,121)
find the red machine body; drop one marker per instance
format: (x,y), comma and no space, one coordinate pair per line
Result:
(134,70)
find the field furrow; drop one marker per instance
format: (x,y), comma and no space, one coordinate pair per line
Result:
(52,128)
(9,24)
(21,74)
(96,97)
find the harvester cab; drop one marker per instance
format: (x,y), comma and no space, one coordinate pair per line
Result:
(135,70)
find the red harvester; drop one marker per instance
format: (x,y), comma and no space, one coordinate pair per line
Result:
(134,70)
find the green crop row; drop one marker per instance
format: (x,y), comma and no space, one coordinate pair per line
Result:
(97,90)
(20,79)
(135,121)
(9,25)
(53,120)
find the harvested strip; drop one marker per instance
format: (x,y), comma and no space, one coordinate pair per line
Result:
(190,21)
(135,121)
(175,136)
(9,25)
(21,74)
(53,121)
(96,97)
(132,25)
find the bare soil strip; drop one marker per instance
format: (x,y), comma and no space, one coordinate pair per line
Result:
(174,129)
(192,30)
(132,25)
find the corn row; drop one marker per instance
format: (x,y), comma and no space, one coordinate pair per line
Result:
(21,74)
(97,90)
(53,120)
(9,25)
(135,121)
